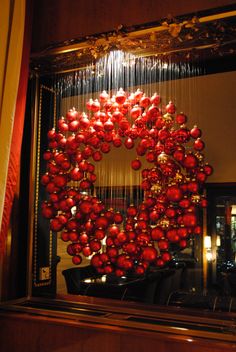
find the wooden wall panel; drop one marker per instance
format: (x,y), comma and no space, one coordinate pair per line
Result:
(60,20)
(22,332)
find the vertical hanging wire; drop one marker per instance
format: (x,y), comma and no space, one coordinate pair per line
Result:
(111,72)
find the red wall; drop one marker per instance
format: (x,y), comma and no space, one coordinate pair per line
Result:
(60,20)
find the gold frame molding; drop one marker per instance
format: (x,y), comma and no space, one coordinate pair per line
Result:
(181,38)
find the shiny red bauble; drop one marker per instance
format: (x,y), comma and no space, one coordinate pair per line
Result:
(195,132)
(198,144)
(72,115)
(144,101)
(132,211)
(108,125)
(155,99)
(103,97)
(117,142)
(129,143)
(120,96)
(135,112)
(170,108)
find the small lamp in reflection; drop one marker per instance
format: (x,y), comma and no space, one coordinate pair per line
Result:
(218,241)
(207,246)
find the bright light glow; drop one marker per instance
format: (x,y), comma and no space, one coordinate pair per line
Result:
(207,242)
(73,210)
(178,328)
(190,340)
(209,256)
(218,240)
(87,280)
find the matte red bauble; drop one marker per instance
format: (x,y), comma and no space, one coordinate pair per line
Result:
(124,124)
(181,118)
(131,248)
(149,254)
(56,225)
(118,218)
(190,161)
(97,156)
(166,257)
(48,212)
(96,261)
(208,170)
(95,245)
(136,164)
(85,207)
(157,233)
(77,259)
(85,184)
(122,237)
(189,220)
(101,222)
(139,270)
(174,193)
(182,232)
(163,245)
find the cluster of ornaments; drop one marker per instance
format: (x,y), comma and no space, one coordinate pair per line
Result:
(164,221)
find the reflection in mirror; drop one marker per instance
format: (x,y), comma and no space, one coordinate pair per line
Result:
(118,184)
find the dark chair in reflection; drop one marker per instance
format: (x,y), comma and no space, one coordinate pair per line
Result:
(170,283)
(158,285)
(145,290)
(193,300)
(73,277)
(228,282)
(155,287)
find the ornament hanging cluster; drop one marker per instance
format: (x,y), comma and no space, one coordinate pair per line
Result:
(167,216)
